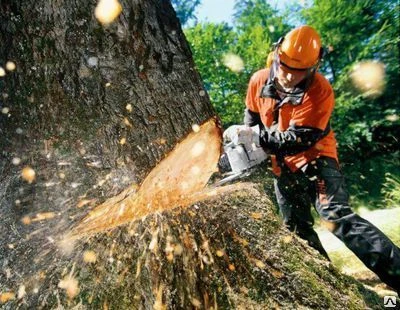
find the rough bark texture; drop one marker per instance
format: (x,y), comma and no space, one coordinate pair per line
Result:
(66,113)
(65,58)
(67,110)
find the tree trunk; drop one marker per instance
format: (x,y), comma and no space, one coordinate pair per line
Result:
(75,78)
(92,110)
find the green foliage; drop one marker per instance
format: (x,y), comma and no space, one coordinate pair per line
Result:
(356,31)
(391,189)
(209,43)
(256,27)
(368,183)
(185,9)
(258,13)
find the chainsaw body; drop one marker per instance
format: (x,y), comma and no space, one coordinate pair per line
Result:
(242,151)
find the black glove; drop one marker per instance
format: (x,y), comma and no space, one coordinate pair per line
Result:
(294,140)
(251,118)
(264,138)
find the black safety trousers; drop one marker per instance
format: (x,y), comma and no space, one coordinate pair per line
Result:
(321,183)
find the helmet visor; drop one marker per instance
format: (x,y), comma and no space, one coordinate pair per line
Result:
(289,80)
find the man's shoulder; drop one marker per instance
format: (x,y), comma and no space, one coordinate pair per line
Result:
(261,74)
(321,81)
(320,86)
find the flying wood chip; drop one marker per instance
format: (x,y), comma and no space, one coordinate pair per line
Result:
(7,296)
(70,285)
(191,163)
(28,174)
(107,11)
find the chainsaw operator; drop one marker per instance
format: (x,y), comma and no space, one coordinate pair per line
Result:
(292,103)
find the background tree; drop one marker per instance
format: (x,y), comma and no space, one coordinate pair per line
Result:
(185,10)
(258,27)
(255,27)
(210,44)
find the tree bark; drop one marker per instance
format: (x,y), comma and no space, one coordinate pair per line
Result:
(92,110)
(74,79)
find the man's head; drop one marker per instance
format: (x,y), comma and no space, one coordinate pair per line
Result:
(297,57)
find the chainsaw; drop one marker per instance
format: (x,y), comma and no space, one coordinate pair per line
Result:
(242,151)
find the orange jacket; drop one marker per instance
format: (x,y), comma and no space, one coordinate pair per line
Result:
(315,111)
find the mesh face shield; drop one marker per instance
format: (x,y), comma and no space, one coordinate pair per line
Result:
(294,95)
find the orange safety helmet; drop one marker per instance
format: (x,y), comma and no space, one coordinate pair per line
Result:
(300,48)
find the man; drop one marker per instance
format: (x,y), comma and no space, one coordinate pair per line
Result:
(292,103)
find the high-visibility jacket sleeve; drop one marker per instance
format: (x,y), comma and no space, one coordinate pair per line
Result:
(252,112)
(256,82)
(291,141)
(252,94)
(308,123)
